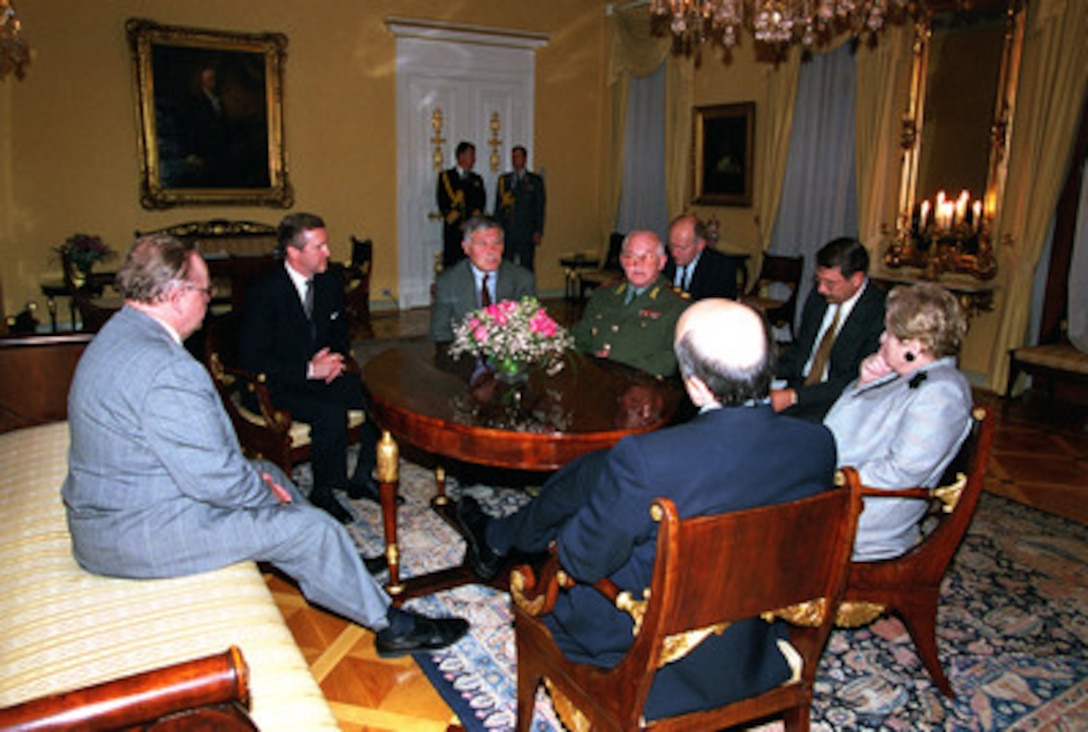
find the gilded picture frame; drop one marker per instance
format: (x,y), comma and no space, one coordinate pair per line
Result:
(723,162)
(210,110)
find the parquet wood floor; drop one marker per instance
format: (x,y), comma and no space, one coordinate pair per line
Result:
(1040,457)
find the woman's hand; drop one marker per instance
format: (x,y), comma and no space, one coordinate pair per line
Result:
(873,368)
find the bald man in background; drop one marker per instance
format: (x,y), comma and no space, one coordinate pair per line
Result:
(730,457)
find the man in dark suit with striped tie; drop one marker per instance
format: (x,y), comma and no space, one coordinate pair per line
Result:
(695,269)
(295,331)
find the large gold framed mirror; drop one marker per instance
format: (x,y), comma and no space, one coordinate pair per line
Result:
(955,136)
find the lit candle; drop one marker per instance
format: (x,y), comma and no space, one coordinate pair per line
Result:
(961,207)
(924,216)
(976,214)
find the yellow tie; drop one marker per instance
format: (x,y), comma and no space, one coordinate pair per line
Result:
(823,351)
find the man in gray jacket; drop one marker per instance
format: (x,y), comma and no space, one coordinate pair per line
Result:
(157,485)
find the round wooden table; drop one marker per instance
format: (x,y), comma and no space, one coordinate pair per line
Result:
(443,407)
(459,410)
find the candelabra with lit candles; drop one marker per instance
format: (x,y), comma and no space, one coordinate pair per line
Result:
(944,235)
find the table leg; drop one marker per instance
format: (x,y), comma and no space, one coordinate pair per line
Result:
(51,305)
(440,497)
(388,454)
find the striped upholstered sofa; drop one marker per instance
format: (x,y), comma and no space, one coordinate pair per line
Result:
(64,628)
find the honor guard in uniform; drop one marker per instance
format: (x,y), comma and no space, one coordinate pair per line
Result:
(461,196)
(519,208)
(633,321)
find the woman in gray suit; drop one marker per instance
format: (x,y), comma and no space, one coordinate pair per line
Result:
(902,421)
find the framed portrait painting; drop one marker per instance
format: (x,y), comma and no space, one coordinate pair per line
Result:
(723,154)
(210,108)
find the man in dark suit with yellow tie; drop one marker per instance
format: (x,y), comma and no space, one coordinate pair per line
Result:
(841,324)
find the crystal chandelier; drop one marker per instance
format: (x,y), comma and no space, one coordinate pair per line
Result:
(775,22)
(14,53)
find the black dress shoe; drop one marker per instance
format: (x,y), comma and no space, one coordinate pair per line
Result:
(484,561)
(328,503)
(426,634)
(376,564)
(369,489)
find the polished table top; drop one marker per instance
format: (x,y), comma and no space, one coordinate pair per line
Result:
(542,424)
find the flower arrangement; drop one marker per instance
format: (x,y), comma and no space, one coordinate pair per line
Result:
(83,250)
(512,334)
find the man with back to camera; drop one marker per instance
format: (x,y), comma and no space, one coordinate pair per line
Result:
(841,324)
(482,279)
(695,269)
(157,485)
(633,321)
(295,331)
(519,208)
(729,457)
(461,195)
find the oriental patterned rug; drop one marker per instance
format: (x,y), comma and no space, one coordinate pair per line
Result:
(1012,627)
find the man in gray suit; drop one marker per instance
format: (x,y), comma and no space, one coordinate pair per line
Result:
(157,485)
(461,289)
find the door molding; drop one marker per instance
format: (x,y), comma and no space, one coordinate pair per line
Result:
(436,30)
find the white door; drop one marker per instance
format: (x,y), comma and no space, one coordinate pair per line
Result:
(452,85)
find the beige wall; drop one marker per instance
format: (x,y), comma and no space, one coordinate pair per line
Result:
(743,79)
(68,151)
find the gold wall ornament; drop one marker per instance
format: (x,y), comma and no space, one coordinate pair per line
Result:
(437,139)
(495,142)
(14,51)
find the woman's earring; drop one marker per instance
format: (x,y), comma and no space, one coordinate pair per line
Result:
(909,356)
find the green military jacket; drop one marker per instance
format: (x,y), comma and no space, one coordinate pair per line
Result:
(639,334)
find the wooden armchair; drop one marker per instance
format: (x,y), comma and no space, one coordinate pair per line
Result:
(910,585)
(788,560)
(264,432)
(610,270)
(209,693)
(776,270)
(357,288)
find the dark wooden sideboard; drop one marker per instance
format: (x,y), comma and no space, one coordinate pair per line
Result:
(35,373)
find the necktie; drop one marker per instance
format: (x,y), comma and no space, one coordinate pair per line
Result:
(680,277)
(823,351)
(485,294)
(308,300)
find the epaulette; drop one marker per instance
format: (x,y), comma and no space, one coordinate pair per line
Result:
(679,292)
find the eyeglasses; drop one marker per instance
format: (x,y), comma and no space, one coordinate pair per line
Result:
(208,292)
(642,257)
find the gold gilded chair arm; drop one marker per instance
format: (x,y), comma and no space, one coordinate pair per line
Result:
(808,614)
(536,593)
(949,495)
(856,613)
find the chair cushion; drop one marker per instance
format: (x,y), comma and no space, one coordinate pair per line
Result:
(300,431)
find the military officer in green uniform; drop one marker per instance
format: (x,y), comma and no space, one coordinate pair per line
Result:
(633,321)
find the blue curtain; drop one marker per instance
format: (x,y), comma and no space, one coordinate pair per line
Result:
(819,195)
(642,194)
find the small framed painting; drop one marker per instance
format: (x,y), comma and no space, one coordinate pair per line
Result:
(723,154)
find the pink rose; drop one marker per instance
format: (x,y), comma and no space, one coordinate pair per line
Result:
(480,334)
